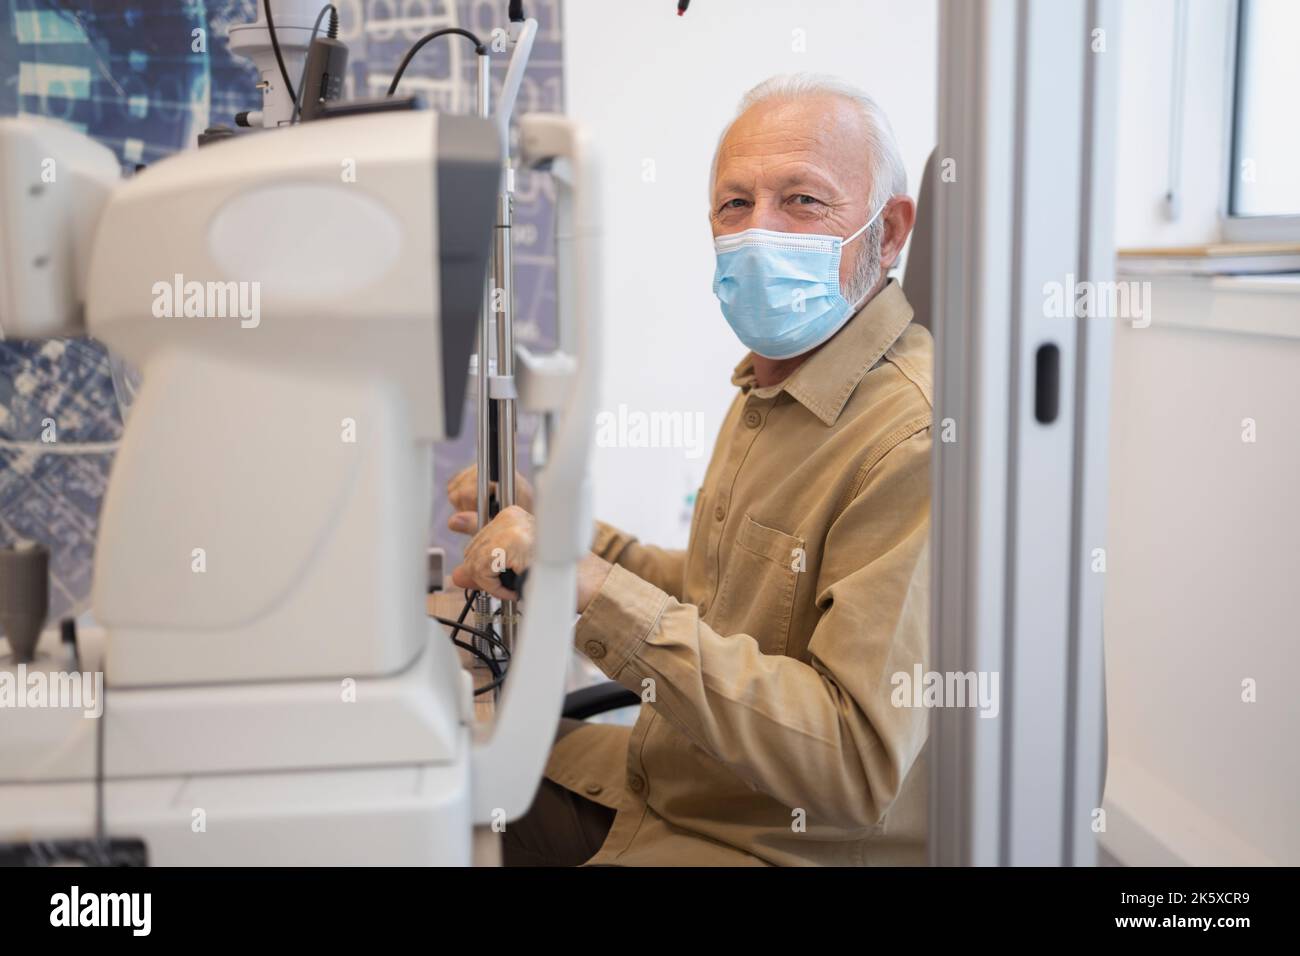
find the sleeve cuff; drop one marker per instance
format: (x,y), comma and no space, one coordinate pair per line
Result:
(619,618)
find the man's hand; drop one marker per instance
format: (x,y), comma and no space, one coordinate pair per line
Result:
(506,542)
(462,492)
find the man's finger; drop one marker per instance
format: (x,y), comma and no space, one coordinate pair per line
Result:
(463,577)
(464,496)
(465,522)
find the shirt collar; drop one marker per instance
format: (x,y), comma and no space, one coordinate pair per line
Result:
(824,382)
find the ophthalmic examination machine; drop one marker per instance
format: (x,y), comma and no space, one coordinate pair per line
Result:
(260,629)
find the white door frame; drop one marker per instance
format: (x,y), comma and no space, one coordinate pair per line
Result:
(1026,128)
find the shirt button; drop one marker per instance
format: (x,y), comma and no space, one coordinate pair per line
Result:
(636,782)
(720,512)
(753,419)
(595,650)
(593,788)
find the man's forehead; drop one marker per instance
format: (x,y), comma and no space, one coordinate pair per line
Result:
(791,141)
(779,175)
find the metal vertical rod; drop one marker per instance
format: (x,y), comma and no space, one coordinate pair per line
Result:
(1177,108)
(483,450)
(504,282)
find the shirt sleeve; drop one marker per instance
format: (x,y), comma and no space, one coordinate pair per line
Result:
(665,568)
(822,734)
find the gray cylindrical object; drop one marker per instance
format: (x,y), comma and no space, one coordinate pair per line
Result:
(24,597)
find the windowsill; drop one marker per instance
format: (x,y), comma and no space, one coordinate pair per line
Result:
(1237,305)
(1286,284)
(1251,260)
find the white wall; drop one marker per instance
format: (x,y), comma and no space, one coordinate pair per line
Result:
(1201,581)
(655,87)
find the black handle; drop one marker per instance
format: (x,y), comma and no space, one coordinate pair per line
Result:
(513,582)
(1047,383)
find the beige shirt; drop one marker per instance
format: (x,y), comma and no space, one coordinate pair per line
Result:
(765,650)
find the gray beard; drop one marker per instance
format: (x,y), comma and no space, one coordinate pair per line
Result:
(866,270)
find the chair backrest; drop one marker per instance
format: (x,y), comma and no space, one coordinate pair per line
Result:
(920,257)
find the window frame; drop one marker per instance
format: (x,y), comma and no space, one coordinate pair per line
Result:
(1236,227)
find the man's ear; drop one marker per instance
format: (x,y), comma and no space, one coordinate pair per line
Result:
(900,217)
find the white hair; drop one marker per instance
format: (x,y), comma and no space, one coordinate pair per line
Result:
(888,175)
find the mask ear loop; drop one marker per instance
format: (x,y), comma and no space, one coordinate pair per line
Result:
(858,305)
(866,226)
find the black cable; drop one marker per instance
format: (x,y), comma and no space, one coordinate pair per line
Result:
(492,631)
(498,674)
(279,57)
(486,659)
(491,685)
(460,625)
(68,638)
(333,34)
(488,636)
(479,48)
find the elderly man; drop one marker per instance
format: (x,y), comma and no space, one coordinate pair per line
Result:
(764,652)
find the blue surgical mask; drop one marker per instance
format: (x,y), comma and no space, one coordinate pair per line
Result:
(780,291)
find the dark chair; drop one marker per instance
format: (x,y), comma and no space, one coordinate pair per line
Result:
(598,699)
(920,254)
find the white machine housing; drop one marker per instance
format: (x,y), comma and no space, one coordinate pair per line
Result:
(259,570)
(273,485)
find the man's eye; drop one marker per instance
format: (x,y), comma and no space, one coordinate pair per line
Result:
(733,204)
(803,199)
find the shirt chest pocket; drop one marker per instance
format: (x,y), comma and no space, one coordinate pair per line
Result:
(758,585)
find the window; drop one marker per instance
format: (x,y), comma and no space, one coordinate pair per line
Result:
(1264,181)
